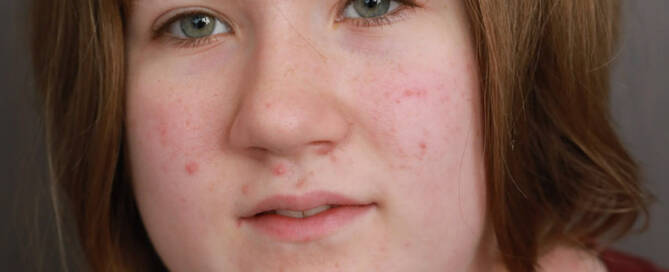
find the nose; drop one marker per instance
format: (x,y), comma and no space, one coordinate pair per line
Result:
(288,124)
(288,109)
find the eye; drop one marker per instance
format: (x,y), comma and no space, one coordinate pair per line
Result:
(369,8)
(197,25)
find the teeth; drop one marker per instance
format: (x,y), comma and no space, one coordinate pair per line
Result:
(289,213)
(303,214)
(316,210)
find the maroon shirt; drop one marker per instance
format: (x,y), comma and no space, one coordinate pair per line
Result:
(619,262)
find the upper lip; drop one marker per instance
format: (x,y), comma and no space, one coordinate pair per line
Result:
(303,202)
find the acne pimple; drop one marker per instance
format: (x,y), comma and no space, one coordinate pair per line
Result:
(423,149)
(245,189)
(279,170)
(268,105)
(191,168)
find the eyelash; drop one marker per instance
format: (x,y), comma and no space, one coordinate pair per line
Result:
(387,19)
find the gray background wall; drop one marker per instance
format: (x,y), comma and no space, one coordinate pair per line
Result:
(640,98)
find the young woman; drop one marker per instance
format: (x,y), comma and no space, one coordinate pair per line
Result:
(335,135)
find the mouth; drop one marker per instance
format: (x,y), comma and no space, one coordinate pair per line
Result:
(299,214)
(305,218)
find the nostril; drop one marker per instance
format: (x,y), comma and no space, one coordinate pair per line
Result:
(323,147)
(256,149)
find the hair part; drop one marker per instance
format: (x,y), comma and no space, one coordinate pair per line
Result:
(555,170)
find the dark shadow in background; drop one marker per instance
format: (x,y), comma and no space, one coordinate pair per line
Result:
(28,238)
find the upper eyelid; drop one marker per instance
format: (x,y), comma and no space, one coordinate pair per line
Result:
(170,16)
(403,4)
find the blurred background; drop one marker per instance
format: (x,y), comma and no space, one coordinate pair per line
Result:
(640,102)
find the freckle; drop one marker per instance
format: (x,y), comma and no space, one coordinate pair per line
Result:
(279,170)
(333,158)
(300,183)
(406,244)
(191,168)
(245,189)
(409,93)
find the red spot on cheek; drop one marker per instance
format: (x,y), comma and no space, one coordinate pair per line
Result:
(245,189)
(268,105)
(279,170)
(162,130)
(191,168)
(423,149)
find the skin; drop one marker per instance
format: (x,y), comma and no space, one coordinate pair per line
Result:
(295,101)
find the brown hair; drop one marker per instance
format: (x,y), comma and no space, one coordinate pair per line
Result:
(556,171)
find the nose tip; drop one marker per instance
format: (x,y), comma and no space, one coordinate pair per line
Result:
(288,124)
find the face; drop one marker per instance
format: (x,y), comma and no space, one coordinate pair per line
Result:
(306,135)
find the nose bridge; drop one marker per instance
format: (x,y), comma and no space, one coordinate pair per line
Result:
(287,106)
(285,44)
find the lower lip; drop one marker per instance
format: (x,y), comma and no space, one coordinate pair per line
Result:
(289,229)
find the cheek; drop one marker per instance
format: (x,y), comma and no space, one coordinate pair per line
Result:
(422,112)
(425,120)
(175,136)
(175,133)
(175,120)
(175,128)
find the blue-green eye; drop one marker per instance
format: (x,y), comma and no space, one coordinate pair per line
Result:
(369,8)
(197,25)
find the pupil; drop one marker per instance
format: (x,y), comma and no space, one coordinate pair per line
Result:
(371,3)
(200,21)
